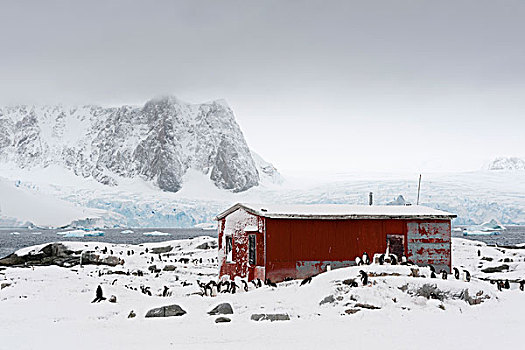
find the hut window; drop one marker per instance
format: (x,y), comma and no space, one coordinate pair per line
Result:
(229,249)
(251,250)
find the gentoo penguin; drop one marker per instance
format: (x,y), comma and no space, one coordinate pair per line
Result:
(364,277)
(358,261)
(467,276)
(507,284)
(444,274)
(366,259)
(479,252)
(165,291)
(270,283)
(245,285)
(381,259)
(500,285)
(98,295)
(522,285)
(432,274)
(259,283)
(227,285)
(233,287)
(393,259)
(456,273)
(306,280)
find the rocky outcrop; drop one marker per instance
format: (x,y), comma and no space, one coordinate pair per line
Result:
(221,309)
(58,254)
(166,311)
(494,269)
(270,317)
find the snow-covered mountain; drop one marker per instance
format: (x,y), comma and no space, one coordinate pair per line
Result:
(174,164)
(507,163)
(158,142)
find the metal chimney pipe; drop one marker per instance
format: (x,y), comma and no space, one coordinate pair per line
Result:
(370,198)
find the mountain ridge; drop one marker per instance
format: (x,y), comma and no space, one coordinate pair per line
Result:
(158,142)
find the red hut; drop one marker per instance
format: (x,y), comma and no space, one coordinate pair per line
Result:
(279,241)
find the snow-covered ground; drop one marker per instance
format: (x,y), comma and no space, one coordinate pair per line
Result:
(50,307)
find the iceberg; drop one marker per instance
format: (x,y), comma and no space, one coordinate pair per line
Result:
(156,233)
(127,231)
(81,233)
(492,225)
(480,233)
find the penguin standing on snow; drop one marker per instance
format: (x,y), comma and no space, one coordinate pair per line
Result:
(432,271)
(366,259)
(98,295)
(444,274)
(467,276)
(381,259)
(393,259)
(270,283)
(245,285)
(364,277)
(507,284)
(456,273)
(522,285)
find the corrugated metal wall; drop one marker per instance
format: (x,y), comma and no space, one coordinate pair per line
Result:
(429,243)
(301,248)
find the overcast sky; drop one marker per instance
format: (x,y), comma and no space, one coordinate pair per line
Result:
(330,86)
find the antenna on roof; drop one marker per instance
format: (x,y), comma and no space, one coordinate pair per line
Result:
(418,189)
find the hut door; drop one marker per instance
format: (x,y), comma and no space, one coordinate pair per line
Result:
(397,244)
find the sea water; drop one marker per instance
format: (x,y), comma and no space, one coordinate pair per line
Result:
(9,243)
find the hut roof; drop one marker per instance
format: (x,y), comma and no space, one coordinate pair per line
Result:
(339,211)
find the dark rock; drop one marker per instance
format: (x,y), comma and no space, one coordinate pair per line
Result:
(161,250)
(486,258)
(367,306)
(12,260)
(271,317)
(349,281)
(329,299)
(222,319)
(166,311)
(352,311)
(112,299)
(222,309)
(207,245)
(91,258)
(495,269)
(132,314)
(430,291)
(4,285)
(169,268)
